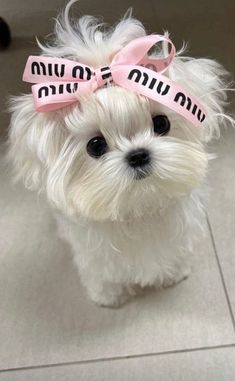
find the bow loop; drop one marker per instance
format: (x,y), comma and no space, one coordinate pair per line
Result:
(136,53)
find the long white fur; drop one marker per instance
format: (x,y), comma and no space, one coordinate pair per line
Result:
(122,231)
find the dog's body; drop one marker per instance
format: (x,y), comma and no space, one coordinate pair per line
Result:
(113,257)
(127,226)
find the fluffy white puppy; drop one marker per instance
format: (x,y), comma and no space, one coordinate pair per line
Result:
(123,173)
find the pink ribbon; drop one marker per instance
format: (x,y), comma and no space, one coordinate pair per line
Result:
(59,82)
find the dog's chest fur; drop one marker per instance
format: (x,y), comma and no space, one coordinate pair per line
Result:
(135,251)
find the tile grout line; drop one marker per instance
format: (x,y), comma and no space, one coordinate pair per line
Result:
(221,273)
(127,357)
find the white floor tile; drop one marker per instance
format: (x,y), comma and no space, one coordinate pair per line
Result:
(221,207)
(206,365)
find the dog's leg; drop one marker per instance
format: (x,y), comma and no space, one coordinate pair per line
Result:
(171,274)
(106,294)
(172,278)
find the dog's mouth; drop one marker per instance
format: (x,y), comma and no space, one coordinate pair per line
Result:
(141,174)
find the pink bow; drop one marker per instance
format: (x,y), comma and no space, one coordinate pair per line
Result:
(59,82)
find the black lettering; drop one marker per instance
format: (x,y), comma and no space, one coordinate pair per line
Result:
(159,87)
(35,67)
(165,91)
(105,68)
(43,68)
(107,75)
(194,109)
(61,74)
(133,72)
(178,96)
(41,90)
(61,88)
(152,83)
(146,77)
(199,116)
(69,89)
(189,103)
(89,73)
(81,72)
(50,69)
(53,88)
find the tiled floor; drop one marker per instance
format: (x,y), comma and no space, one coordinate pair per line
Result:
(48,328)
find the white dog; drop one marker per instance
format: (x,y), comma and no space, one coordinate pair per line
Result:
(122,171)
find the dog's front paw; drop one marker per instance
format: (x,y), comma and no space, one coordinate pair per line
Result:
(111,301)
(176,277)
(112,296)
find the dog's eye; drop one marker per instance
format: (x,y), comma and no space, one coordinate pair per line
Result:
(161,124)
(97,146)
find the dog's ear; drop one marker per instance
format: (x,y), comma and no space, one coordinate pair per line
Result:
(207,80)
(34,141)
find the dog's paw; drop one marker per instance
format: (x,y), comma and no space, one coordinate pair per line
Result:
(110,300)
(172,279)
(112,296)
(114,302)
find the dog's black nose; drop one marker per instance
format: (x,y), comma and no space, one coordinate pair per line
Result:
(138,158)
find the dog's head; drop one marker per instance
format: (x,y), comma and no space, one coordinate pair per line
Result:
(115,154)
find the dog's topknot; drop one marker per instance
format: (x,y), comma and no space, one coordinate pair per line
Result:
(89,39)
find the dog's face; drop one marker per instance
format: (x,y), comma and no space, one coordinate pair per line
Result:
(115,155)
(129,157)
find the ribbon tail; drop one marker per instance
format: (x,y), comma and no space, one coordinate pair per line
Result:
(51,96)
(160,89)
(39,69)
